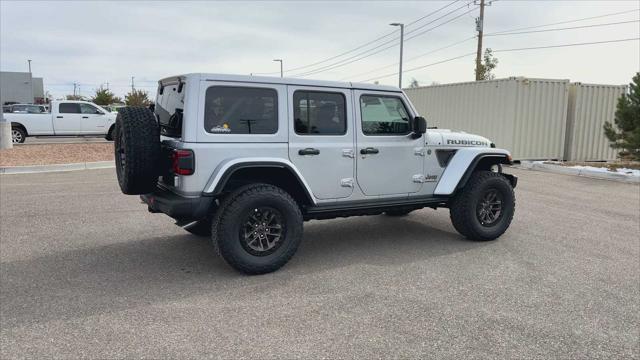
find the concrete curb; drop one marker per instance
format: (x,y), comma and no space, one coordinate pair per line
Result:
(57,167)
(559,169)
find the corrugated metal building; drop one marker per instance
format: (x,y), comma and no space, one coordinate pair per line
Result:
(16,87)
(529,117)
(590,105)
(526,116)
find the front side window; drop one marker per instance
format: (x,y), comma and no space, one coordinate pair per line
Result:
(383,115)
(69,108)
(241,110)
(89,109)
(319,113)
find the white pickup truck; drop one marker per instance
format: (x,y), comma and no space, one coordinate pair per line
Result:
(66,118)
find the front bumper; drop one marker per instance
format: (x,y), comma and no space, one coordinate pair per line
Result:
(177,206)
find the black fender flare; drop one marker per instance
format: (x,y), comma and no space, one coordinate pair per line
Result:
(219,187)
(493,159)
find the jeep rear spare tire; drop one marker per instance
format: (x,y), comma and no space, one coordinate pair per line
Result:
(137,150)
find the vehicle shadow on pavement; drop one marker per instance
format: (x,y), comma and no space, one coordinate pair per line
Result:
(374,240)
(139,272)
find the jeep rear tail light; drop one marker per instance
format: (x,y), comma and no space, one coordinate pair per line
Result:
(183,162)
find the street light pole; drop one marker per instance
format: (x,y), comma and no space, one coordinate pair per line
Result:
(31,80)
(401,48)
(280,61)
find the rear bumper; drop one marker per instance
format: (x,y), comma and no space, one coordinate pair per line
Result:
(176,206)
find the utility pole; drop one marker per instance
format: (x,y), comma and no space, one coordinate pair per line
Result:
(401,48)
(479,28)
(31,80)
(107,85)
(280,61)
(74,89)
(133,87)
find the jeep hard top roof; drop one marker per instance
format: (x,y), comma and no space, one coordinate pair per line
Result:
(276,80)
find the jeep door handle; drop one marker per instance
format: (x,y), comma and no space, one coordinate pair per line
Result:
(59,117)
(369,150)
(309,151)
(85,117)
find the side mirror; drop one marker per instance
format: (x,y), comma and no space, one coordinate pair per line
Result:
(419,126)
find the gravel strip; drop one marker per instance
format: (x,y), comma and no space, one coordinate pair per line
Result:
(55,154)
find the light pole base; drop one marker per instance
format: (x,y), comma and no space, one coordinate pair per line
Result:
(5,135)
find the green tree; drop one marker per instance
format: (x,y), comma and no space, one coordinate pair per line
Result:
(488,65)
(137,98)
(414,83)
(74,97)
(625,134)
(105,97)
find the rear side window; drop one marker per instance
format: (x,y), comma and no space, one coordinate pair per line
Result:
(241,110)
(319,113)
(69,108)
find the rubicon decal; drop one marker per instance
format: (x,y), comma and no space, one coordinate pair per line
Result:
(467,142)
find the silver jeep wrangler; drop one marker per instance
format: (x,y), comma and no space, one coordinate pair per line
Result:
(246,160)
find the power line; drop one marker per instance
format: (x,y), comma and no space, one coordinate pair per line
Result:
(421,67)
(568,21)
(559,29)
(343,63)
(567,45)
(361,46)
(431,13)
(507,50)
(329,59)
(441,17)
(441,24)
(411,59)
(492,34)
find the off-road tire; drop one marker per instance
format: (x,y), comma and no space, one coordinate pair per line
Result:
(137,142)
(463,208)
(109,136)
(200,227)
(397,213)
(232,212)
(22,134)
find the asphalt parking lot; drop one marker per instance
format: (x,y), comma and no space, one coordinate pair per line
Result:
(86,272)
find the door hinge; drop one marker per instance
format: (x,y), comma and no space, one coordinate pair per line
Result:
(419,151)
(348,182)
(419,179)
(348,153)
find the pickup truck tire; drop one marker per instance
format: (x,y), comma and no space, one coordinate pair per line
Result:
(109,136)
(484,208)
(259,230)
(18,135)
(137,150)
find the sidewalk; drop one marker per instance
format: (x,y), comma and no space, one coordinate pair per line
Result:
(56,167)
